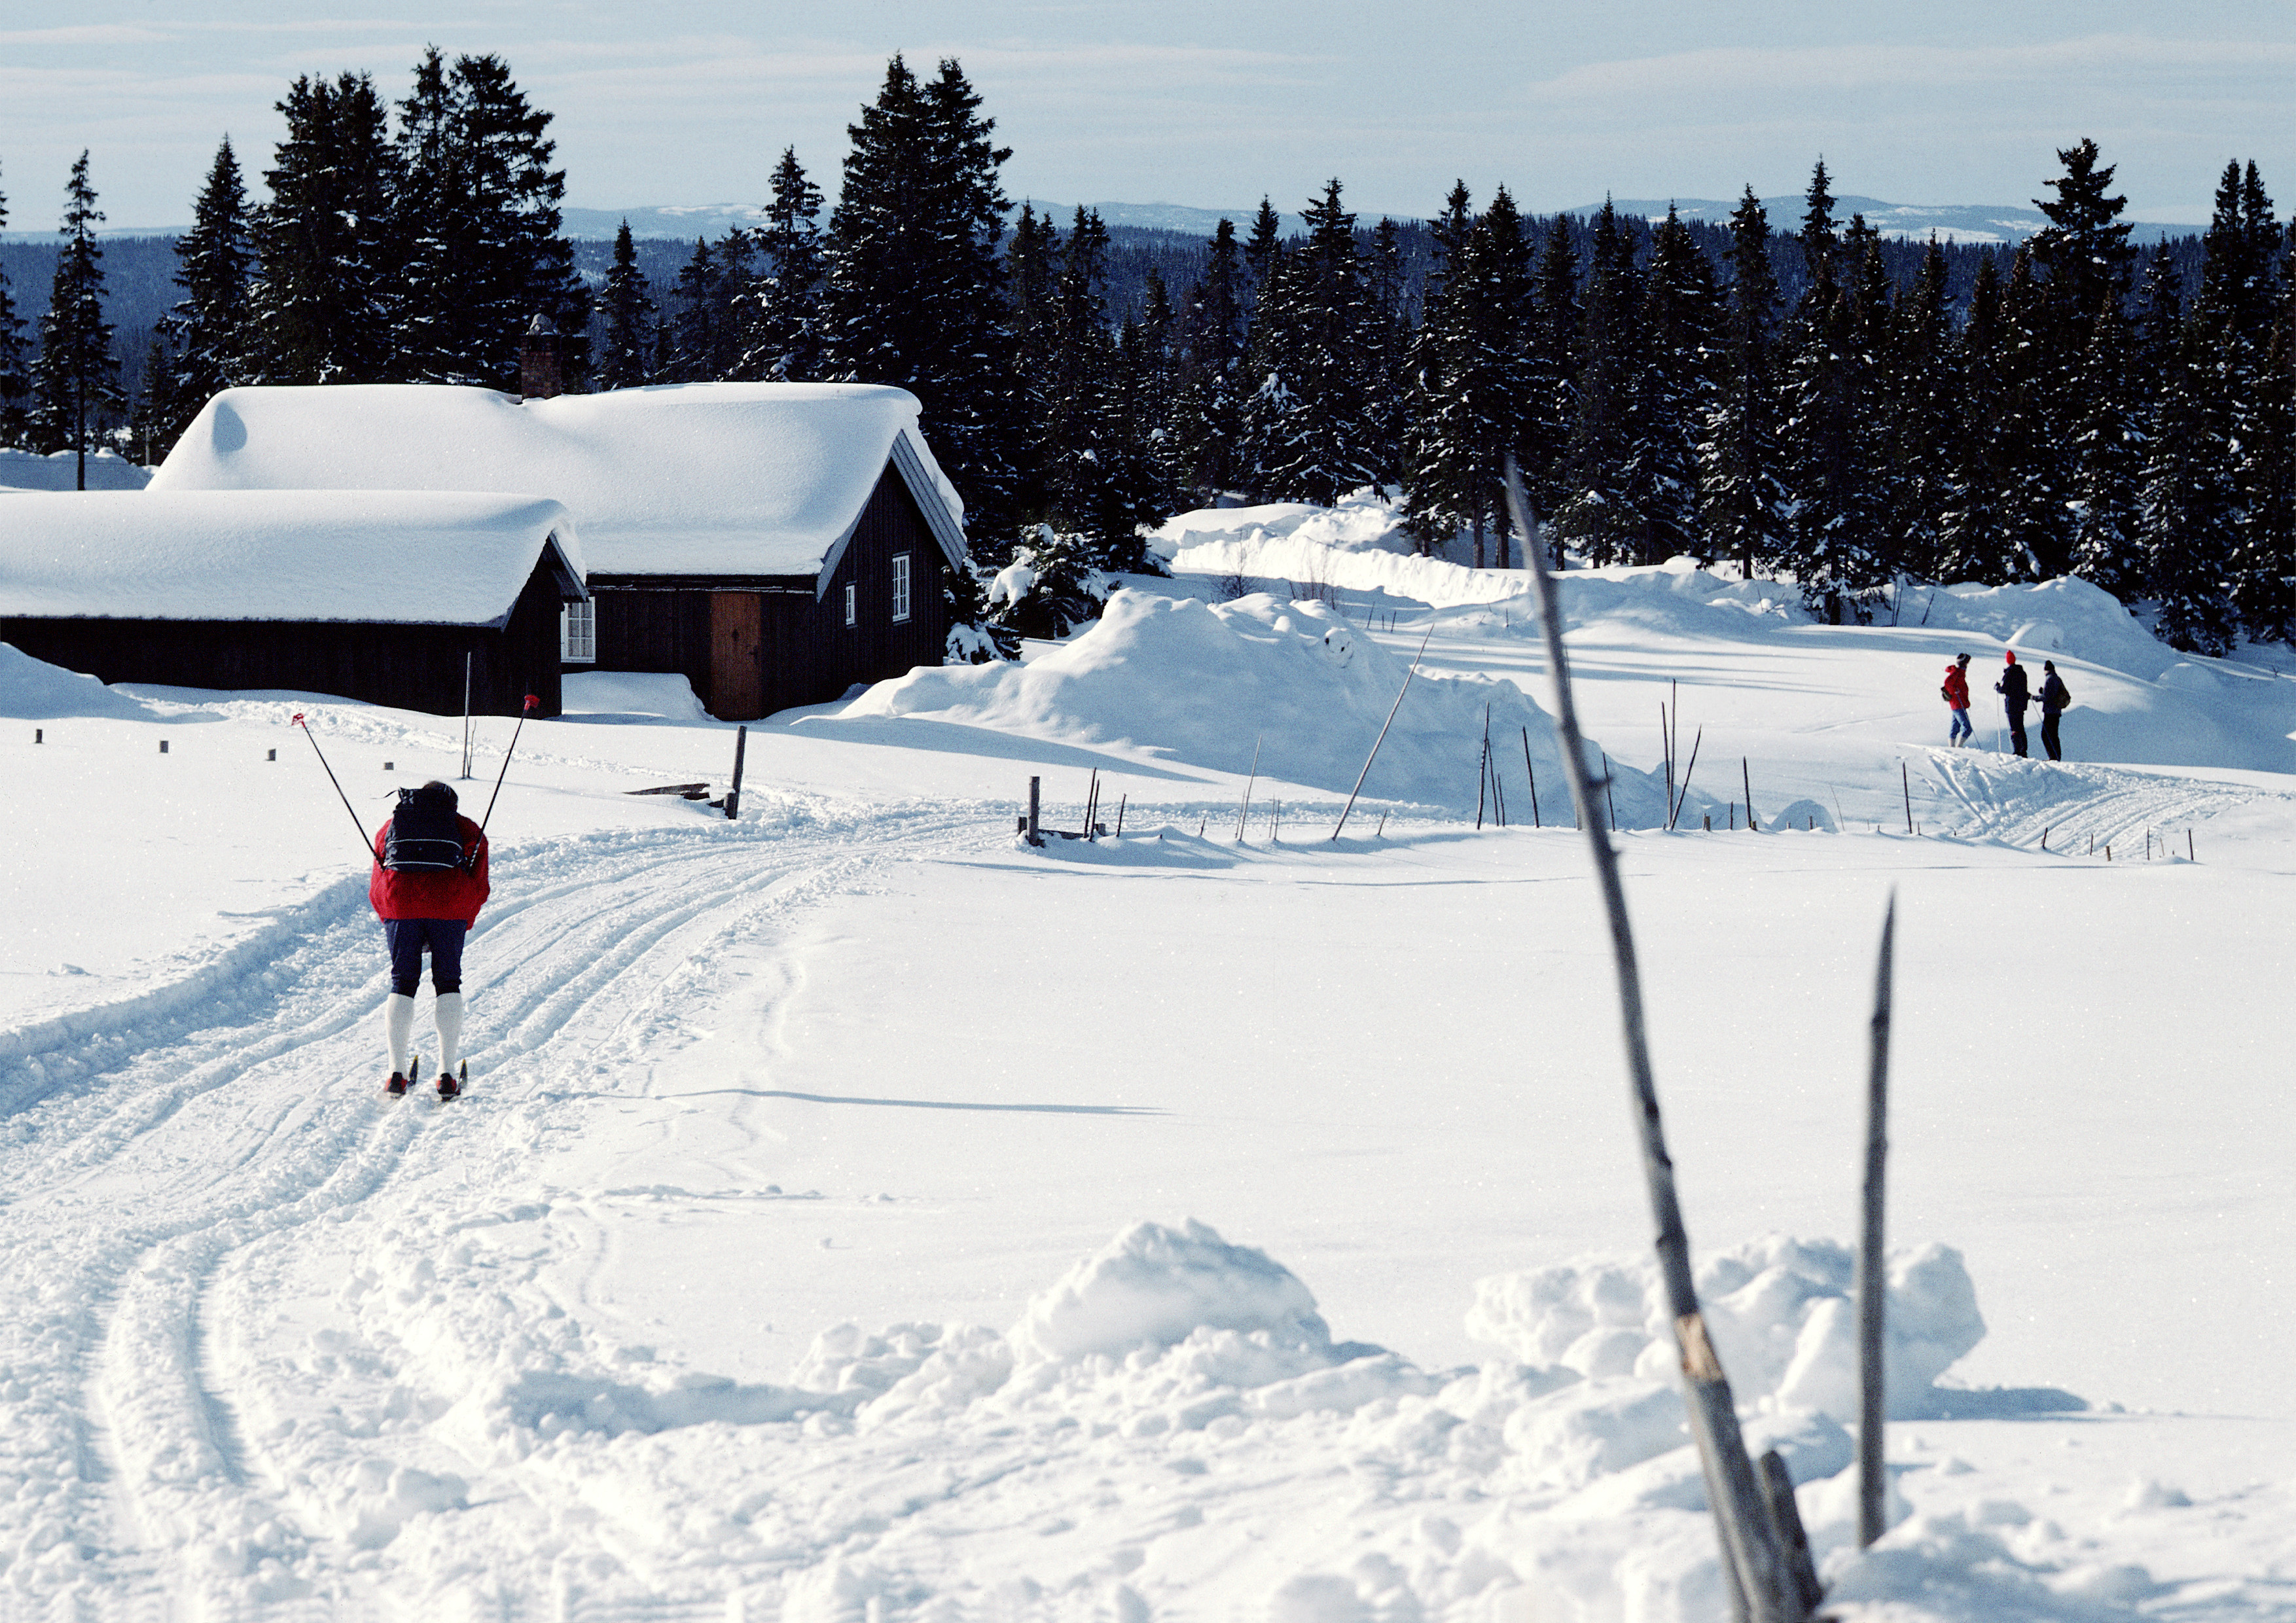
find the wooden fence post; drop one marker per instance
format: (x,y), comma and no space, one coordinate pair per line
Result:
(734,795)
(1873,1270)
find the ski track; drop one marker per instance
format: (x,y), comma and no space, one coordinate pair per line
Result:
(164,1163)
(1977,795)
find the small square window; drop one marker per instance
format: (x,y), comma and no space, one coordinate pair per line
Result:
(852,610)
(900,586)
(577,633)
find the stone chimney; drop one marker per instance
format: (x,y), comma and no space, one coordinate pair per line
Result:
(537,361)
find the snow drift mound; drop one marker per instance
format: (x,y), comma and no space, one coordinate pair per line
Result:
(1153,1287)
(2051,619)
(1204,682)
(1779,1310)
(1362,522)
(37,691)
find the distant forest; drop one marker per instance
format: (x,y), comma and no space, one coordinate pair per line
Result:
(1815,403)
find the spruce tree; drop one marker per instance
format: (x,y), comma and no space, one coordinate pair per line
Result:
(914,293)
(692,338)
(1309,430)
(1468,372)
(2036,386)
(1679,317)
(207,326)
(1076,389)
(1262,250)
(2109,451)
(2263,564)
(739,298)
(76,380)
(1551,348)
(1387,288)
(788,341)
(1207,411)
(1599,512)
(2191,499)
(1923,418)
(476,221)
(1741,495)
(629,360)
(156,417)
(15,381)
(2083,254)
(1976,516)
(322,304)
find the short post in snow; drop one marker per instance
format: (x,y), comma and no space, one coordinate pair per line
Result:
(1746,776)
(2190,855)
(466,717)
(1905,783)
(1036,796)
(734,795)
(39,735)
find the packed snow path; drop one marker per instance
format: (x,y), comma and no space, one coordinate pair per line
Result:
(131,1195)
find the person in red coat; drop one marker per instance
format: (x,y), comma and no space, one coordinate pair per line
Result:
(429,882)
(1957,698)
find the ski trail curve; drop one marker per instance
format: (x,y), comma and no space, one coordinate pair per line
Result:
(141,1181)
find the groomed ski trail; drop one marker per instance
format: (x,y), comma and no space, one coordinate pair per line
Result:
(136,1176)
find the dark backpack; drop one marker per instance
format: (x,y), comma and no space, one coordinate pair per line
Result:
(425,836)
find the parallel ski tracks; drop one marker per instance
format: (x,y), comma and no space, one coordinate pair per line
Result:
(127,1191)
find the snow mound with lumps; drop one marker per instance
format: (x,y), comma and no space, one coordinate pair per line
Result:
(1292,683)
(1780,1312)
(1153,1287)
(2051,619)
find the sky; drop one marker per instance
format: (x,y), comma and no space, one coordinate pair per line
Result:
(1212,103)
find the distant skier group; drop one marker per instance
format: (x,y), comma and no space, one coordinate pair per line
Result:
(2016,693)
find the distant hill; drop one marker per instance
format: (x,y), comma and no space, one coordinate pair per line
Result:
(685,223)
(1954,222)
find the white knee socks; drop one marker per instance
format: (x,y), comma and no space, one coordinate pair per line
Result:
(450,1030)
(398,1025)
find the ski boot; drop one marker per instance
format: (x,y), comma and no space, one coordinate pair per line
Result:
(396,1088)
(451,1084)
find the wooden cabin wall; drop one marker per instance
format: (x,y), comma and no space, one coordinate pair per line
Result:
(413,668)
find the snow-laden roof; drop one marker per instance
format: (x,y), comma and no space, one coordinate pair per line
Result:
(694,478)
(451,557)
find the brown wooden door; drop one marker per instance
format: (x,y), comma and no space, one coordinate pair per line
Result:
(735,691)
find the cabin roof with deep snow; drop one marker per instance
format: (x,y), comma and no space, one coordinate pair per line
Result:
(687,479)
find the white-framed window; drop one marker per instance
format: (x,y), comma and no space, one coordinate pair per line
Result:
(900,586)
(852,606)
(577,633)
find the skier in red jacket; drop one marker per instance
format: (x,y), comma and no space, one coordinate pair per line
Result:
(1956,697)
(429,882)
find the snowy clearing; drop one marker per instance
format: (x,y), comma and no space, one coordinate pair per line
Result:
(859,1215)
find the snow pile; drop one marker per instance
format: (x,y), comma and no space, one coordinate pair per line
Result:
(1210,683)
(597,695)
(1153,1287)
(106,471)
(37,691)
(1364,521)
(1779,1311)
(2048,620)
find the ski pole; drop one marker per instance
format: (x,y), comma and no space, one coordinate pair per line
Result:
(337,782)
(531,700)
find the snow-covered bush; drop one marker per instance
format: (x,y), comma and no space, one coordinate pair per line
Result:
(1052,586)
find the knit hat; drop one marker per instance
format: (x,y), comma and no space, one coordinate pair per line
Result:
(2048,665)
(2009,655)
(1961,659)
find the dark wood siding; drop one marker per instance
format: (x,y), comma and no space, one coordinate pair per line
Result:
(804,653)
(413,668)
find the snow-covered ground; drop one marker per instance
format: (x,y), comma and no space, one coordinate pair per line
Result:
(857,1215)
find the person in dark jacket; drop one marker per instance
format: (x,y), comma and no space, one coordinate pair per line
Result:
(2015,696)
(428,910)
(2055,698)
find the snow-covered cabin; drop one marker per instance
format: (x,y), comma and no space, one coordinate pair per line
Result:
(391,596)
(774,543)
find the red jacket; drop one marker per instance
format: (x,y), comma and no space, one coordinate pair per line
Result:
(1956,686)
(458,895)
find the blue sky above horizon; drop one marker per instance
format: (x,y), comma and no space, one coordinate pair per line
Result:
(1208,105)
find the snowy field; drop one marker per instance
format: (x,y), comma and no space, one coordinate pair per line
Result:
(860,1216)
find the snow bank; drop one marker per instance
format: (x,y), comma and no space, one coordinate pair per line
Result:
(1360,522)
(1779,1310)
(106,471)
(37,691)
(1210,683)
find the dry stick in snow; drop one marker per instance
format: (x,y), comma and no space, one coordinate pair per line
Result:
(1746,777)
(1697,739)
(1873,1274)
(1609,797)
(1122,801)
(1665,752)
(1750,1549)
(1532,772)
(1905,783)
(1245,811)
(1382,739)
